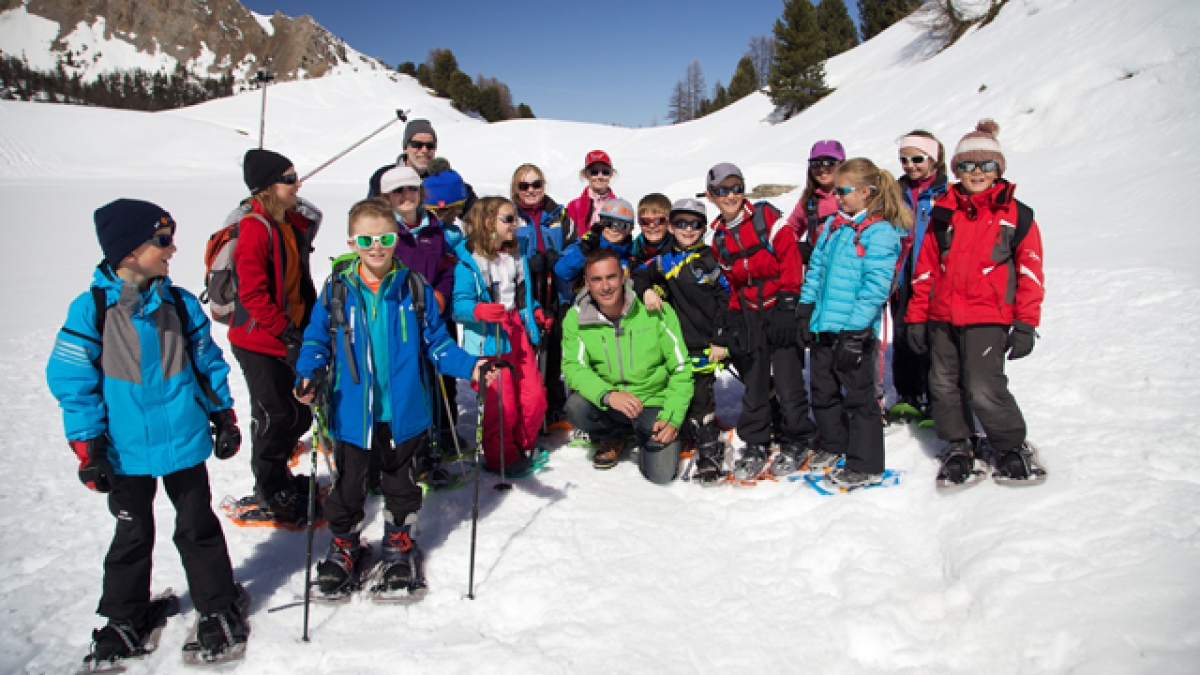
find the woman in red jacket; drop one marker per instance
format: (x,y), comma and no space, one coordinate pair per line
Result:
(977,294)
(275,300)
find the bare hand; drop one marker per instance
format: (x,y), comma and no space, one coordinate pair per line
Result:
(626,403)
(489,378)
(307,398)
(664,432)
(717,353)
(652,301)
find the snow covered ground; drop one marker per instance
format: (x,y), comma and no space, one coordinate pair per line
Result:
(582,571)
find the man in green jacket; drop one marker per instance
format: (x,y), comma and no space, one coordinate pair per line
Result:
(627,368)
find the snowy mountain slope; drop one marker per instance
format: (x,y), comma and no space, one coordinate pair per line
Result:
(581,571)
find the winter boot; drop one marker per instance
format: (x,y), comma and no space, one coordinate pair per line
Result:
(289,506)
(847,479)
(791,457)
(1019,466)
(400,573)
(609,453)
(221,632)
(342,566)
(710,452)
(822,461)
(754,458)
(958,464)
(118,640)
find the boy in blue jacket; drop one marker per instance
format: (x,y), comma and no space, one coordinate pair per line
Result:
(613,230)
(145,394)
(368,345)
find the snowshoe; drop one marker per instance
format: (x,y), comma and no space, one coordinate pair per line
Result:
(220,637)
(752,466)
(343,571)
(580,439)
(791,458)
(285,510)
(1019,468)
(906,411)
(121,641)
(822,485)
(525,466)
(960,468)
(400,577)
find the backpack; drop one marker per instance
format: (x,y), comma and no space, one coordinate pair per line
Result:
(760,230)
(939,221)
(810,241)
(335,303)
(176,301)
(220,278)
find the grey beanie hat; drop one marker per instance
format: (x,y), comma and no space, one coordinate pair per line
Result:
(418,127)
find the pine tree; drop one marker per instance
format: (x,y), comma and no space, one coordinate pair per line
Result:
(877,15)
(525,112)
(463,91)
(442,66)
(836,27)
(720,97)
(408,68)
(798,75)
(745,80)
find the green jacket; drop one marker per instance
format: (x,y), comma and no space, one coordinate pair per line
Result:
(643,354)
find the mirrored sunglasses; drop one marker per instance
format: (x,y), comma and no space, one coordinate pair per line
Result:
(822,162)
(686,224)
(657,220)
(915,159)
(535,185)
(368,240)
(723,191)
(161,240)
(986,166)
(843,191)
(619,225)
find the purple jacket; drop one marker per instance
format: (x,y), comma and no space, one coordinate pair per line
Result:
(426,252)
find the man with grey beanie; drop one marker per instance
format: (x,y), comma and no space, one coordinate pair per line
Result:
(417,151)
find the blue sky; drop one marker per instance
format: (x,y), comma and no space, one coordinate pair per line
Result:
(612,62)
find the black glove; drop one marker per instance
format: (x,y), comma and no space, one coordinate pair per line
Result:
(782,330)
(314,384)
(543,262)
(227,439)
(95,471)
(916,338)
(852,349)
(292,339)
(591,241)
(1020,340)
(804,318)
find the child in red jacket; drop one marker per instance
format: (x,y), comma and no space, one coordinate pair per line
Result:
(977,294)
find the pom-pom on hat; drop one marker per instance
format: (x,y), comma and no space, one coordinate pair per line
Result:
(828,148)
(980,145)
(597,157)
(445,189)
(398,177)
(617,209)
(125,224)
(262,168)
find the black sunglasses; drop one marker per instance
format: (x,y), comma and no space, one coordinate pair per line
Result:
(535,185)
(985,166)
(620,225)
(288,179)
(722,191)
(822,162)
(683,224)
(161,240)
(510,218)
(599,171)
(422,145)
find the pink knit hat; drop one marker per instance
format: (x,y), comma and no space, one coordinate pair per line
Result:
(980,145)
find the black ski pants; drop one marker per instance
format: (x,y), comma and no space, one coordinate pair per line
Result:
(910,371)
(756,368)
(556,392)
(198,537)
(845,406)
(968,376)
(401,494)
(277,419)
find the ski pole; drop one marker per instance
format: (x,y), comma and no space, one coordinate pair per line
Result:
(265,77)
(457,448)
(481,400)
(318,438)
(503,485)
(401,116)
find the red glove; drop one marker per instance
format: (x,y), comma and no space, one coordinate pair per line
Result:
(544,322)
(95,471)
(490,312)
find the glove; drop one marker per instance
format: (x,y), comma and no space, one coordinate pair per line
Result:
(544,322)
(782,330)
(314,382)
(591,241)
(292,339)
(804,318)
(543,262)
(916,338)
(851,350)
(227,439)
(95,471)
(490,312)
(1020,340)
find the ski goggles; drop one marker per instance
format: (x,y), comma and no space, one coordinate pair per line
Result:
(657,220)
(386,240)
(619,225)
(724,191)
(822,163)
(986,166)
(686,224)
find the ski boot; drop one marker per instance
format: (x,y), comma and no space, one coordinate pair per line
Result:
(220,636)
(400,578)
(747,469)
(710,452)
(1020,466)
(792,457)
(340,573)
(846,479)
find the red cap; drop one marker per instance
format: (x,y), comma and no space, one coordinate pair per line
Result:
(597,157)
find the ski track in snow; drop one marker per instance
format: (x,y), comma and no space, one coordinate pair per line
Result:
(583,571)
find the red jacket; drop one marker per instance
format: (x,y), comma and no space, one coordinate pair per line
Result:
(980,279)
(769,271)
(259,260)
(580,211)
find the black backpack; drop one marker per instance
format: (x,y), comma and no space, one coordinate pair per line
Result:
(940,217)
(760,230)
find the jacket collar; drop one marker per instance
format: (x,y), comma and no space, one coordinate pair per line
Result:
(589,312)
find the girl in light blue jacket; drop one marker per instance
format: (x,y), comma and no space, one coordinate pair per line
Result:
(845,290)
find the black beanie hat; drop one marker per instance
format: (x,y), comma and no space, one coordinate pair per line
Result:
(262,168)
(125,224)
(418,127)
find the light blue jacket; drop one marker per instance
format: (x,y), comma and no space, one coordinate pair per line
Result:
(411,406)
(470,289)
(849,281)
(135,383)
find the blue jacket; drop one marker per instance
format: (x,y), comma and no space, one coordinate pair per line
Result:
(139,389)
(411,406)
(570,266)
(922,211)
(849,281)
(558,232)
(470,289)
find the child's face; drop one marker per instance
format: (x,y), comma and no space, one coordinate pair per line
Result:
(506,223)
(371,230)
(687,229)
(914,169)
(151,260)
(977,180)
(731,203)
(654,224)
(851,198)
(617,231)
(598,177)
(405,199)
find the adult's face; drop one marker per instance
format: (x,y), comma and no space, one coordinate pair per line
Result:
(606,283)
(285,193)
(420,151)
(531,189)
